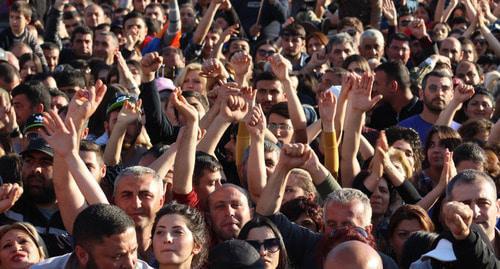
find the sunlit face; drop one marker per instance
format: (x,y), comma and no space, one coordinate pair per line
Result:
(271,159)
(437,94)
(229,212)
(355,67)
(269,93)
(136,27)
(435,152)
(28,68)
(440,32)
(187,18)
(95,166)
(399,50)
(140,197)
(18,250)
(17,22)
(406,148)
(155,13)
(237,45)
(314,45)
(264,52)
(339,215)
(292,46)
(452,49)
(82,45)
(140,5)
(479,107)
(173,241)
(292,189)
(208,183)
(339,52)
(469,52)
(194,82)
(482,199)
(281,127)
(379,200)
(269,256)
(468,73)
(94,15)
(52,57)
(58,102)
(371,48)
(401,233)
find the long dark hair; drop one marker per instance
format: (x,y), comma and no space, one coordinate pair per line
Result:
(260,221)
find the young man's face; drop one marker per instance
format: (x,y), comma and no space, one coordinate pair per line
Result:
(136,27)
(292,46)
(18,22)
(52,57)
(156,13)
(269,92)
(82,45)
(209,182)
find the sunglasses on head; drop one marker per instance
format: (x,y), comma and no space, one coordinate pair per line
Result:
(271,245)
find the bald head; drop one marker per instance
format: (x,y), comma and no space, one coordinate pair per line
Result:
(353,255)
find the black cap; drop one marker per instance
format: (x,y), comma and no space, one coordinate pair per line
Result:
(235,254)
(38,144)
(35,120)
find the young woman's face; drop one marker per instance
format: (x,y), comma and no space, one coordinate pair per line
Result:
(194,82)
(314,45)
(380,198)
(269,248)
(17,250)
(173,242)
(264,52)
(28,68)
(292,189)
(479,107)
(435,152)
(440,32)
(403,230)
(406,148)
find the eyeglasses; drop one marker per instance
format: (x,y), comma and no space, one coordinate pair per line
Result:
(271,245)
(480,41)
(406,22)
(265,53)
(281,126)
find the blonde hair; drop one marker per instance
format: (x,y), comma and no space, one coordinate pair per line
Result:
(305,180)
(182,75)
(30,230)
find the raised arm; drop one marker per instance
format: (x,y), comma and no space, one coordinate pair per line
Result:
(174,22)
(493,42)
(125,77)
(291,156)
(348,82)
(9,194)
(256,175)
(280,67)
(184,162)
(327,108)
(360,101)
(242,66)
(206,21)
(129,113)
(461,94)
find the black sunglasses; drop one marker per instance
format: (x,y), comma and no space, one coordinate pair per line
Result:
(272,244)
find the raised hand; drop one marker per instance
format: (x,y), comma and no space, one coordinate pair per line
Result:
(85,103)
(327,107)
(150,63)
(7,116)
(256,122)
(188,112)
(349,81)
(235,108)
(449,169)
(230,31)
(129,113)
(249,93)
(418,28)
(280,66)
(213,68)
(241,63)
(458,217)
(62,138)
(126,77)
(294,155)
(389,11)
(462,93)
(9,194)
(360,98)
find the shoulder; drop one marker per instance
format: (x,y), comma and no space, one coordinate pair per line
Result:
(54,262)
(143,265)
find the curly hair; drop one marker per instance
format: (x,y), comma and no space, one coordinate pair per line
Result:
(195,222)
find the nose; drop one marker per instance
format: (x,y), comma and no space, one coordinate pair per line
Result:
(137,202)
(262,251)
(476,210)
(129,263)
(168,238)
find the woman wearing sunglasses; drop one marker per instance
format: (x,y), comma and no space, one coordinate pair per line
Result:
(263,235)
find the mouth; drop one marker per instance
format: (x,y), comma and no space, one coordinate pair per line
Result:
(19,257)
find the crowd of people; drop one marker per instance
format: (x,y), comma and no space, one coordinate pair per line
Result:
(249,134)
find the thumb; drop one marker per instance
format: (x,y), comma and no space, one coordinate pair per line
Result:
(376,99)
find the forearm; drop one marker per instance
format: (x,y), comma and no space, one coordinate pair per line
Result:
(184,163)
(85,180)
(205,23)
(69,198)
(375,13)
(438,14)
(431,198)
(349,166)
(165,162)
(313,130)
(174,18)
(493,43)
(365,148)
(209,117)
(297,115)
(256,172)
(272,195)
(112,152)
(213,135)
(340,117)
(446,116)
(331,151)
(242,142)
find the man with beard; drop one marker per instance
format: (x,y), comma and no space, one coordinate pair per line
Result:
(38,204)
(436,93)
(104,239)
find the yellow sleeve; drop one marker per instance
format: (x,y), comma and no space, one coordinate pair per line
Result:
(242,142)
(331,152)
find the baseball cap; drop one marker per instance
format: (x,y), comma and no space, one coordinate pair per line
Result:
(164,86)
(35,120)
(234,254)
(38,144)
(443,252)
(119,101)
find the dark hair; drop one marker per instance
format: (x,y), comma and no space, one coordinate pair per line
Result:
(200,97)
(410,136)
(133,15)
(203,163)
(280,109)
(264,76)
(294,29)
(415,246)
(98,221)
(468,152)
(87,145)
(81,30)
(410,212)
(261,221)
(448,138)
(471,128)
(22,7)
(439,74)
(480,90)
(54,92)
(11,164)
(293,209)
(8,72)
(70,78)
(35,92)
(156,150)
(50,46)
(400,36)
(31,57)
(397,71)
(323,39)
(269,42)
(469,176)
(194,222)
